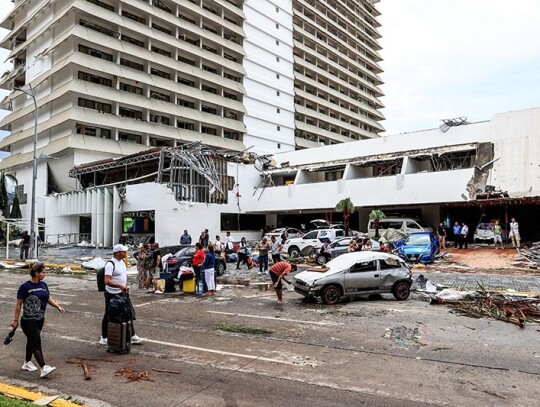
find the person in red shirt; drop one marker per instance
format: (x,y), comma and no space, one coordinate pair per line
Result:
(277,273)
(198,260)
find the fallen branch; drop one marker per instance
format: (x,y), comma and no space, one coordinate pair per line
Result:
(132,375)
(166,371)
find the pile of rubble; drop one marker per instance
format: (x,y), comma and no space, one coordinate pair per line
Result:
(529,257)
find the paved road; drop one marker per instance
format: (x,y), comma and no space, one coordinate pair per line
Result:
(376,353)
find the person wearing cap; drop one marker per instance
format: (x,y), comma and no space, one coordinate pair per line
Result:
(115,284)
(277,273)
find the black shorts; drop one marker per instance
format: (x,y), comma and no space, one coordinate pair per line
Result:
(275,279)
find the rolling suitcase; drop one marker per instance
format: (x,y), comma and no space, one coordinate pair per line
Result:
(119,340)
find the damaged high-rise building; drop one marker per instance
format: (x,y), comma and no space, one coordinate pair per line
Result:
(117,77)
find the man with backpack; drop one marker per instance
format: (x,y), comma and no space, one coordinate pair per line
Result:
(115,285)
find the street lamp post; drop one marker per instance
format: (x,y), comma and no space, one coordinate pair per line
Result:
(33,236)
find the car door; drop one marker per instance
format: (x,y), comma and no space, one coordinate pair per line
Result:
(309,239)
(340,247)
(363,276)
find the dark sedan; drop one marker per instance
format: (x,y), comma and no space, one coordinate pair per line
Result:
(184,258)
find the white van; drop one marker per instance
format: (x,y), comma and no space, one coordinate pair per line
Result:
(405,225)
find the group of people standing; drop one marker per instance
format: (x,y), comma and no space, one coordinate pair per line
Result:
(148,267)
(461,234)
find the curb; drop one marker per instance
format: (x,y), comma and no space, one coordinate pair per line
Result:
(21,393)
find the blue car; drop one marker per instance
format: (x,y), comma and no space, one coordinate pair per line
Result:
(419,247)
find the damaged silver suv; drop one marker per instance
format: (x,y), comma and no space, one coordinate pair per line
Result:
(355,274)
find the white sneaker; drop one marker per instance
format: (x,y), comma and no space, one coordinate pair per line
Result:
(158,292)
(29,366)
(149,290)
(103,341)
(45,370)
(136,340)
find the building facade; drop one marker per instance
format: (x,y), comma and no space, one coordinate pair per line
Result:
(470,173)
(117,77)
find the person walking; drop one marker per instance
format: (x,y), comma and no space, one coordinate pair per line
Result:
(142,273)
(33,297)
(276,250)
(241,253)
(441,233)
(205,238)
(185,239)
(279,272)
(115,285)
(24,245)
(497,235)
(209,271)
(464,235)
(514,233)
(457,234)
(229,243)
(263,247)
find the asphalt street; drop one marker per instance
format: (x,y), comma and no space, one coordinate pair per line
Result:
(240,348)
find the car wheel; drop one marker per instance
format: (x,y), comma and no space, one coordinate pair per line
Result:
(320,259)
(401,291)
(330,295)
(294,251)
(221,267)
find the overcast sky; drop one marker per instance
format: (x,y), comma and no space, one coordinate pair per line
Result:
(450,58)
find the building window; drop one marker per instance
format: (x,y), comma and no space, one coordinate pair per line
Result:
(278,128)
(277,9)
(186,61)
(95,53)
(130,113)
(278,92)
(277,42)
(160,96)
(130,88)
(278,145)
(132,40)
(278,110)
(130,138)
(208,130)
(185,125)
(102,4)
(161,51)
(277,26)
(277,76)
(131,64)
(159,73)
(185,82)
(208,109)
(133,17)
(92,104)
(156,118)
(88,77)
(185,103)
(277,59)
(93,131)
(162,29)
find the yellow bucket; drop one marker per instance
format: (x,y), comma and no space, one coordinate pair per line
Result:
(188,286)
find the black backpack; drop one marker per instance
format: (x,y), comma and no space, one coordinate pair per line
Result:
(120,309)
(101,277)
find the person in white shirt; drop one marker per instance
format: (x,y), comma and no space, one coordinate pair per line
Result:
(115,284)
(514,233)
(219,247)
(464,234)
(276,250)
(229,243)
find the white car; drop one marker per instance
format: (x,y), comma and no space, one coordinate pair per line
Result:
(292,233)
(295,247)
(484,233)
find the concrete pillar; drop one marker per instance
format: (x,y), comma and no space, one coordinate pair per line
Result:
(363,219)
(431,214)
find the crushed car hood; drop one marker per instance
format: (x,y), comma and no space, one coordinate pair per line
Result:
(414,249)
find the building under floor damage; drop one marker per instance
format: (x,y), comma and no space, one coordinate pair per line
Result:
(460,171)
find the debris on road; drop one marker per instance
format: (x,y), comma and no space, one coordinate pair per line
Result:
(82,363)
(94,264)
(529,257)
(132,375)
(510,306)
(166,371)
(402,335)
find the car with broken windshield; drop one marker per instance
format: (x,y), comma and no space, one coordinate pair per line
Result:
(356,274)
(421,247)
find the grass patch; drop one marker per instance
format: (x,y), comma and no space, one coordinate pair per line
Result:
(9,402)
(242,329)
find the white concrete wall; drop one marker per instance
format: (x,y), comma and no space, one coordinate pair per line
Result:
(269,70)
